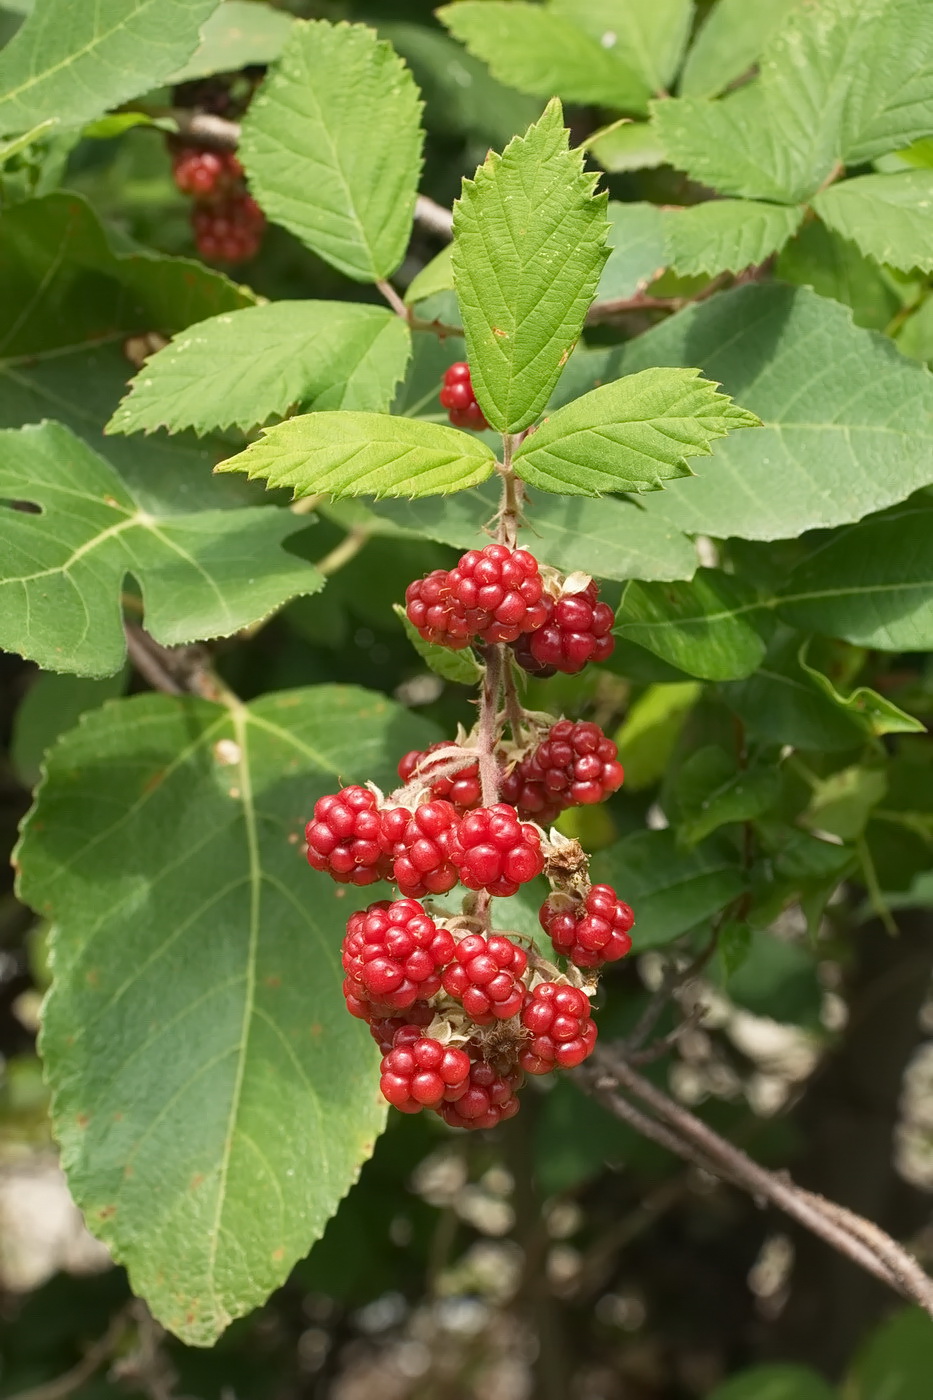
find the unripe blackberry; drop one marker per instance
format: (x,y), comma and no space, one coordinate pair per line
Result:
(419,1072)
(205,174)
(393,954)
(431,608)
(499,591)
(230,230)
(562,1031)
(574,765)
(457,397)
(384,1029)
(485,977)
(578,629)
(490,1098)
(422,843)
(461,789)
(496,852)
(592,932)
(345,837)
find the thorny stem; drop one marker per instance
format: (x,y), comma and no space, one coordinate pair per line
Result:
(487,729)
(513,706)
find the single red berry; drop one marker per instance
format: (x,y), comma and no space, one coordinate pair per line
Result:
(419,1072)
(457,397)
(197,172)
(576,764)
(490,1098)
(345,837)
(393,954)
(485,977)
(384,1029)
(562,1032)
(422,844)
(592,932)
(495,851)
(578,629)
(460,788)
(498,591)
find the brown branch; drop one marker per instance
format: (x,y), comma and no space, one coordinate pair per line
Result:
(184,670)
(672,1126)
(487,730)
(434,217)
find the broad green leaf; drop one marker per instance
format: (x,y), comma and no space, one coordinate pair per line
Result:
(834,267)
(886,216)
(237,34)
(438,276)
(360,454)
(52,705)
(651,729)
(648,35)
(711,792)
(626,145)
(212,1098)
(543,53)
(871,584)
(732,38)
(848,421)
(896,1361)
(609,538)
(638,250)
(240,368)
(73,61)
(916,335)
(713,627)
(459,666)
(62,570)
(878,714)
(529,246)
(778,979)
(889,98)
(332,147)
(670,890)
(63,283)
(842,803)
(631,435)
(727,235)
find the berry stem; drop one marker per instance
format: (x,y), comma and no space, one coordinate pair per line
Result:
(487,734)
(514,712)
(393,298)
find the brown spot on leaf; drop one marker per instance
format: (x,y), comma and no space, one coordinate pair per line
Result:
(316,1030)
(154,780)
(196,1181)
(106,1212)
(273,980)
(503,335)
(82,1120)
(278,1254)
(92,977)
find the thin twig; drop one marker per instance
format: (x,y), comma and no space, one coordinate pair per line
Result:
(434,217)
(184,670)
(393,298)
(348,548)
(148,663)
(91,1361)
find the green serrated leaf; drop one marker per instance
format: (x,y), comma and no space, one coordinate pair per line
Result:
(731,39)
(648,35)
(459,666)
(727,235)
(240,368)
(711,792)
(540,52)
(638,250)
(835,400)
(886,216)
(871,584)
(834,267)
(626,145)
(713,627)
(889,96)
(631,435)
(332,147)
(239,33)
(529,245)
(52,705)
(671,890)
(62,570)
(72,62)
(212,1098)
(359,454)
(438,276)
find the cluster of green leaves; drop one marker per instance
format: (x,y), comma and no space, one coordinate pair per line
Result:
(213,1101)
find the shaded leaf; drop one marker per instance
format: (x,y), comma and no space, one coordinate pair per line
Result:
(349,197)
(713,627)
(710,792)
(459,666)
(529,246)
(438,276)
(886,216)
(648,35)
(638,250)
(626,145)
(358,454)
(239,33)
(240,368)
(896,1360)
(651,729)
(834,267)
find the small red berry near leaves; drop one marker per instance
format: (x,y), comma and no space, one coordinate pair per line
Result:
(575,765)
(457,397)
(496,852)
(384,1029)
(230,230)
(493,594)
(490,1098)
(562,1031)
(422,843)
(485,977)
(577,630)
(393,954)
(591,933)
(345,837)
(419,1072)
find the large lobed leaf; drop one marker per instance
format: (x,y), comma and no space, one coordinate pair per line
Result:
(332,146)
(62,569)
(631,435)
(529,245)
(358,454)
(241,368)
(71,61)
(212,1098)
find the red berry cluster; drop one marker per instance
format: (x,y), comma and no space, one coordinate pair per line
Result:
(589,930)
(228,223)
(498,594)
(457,397)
